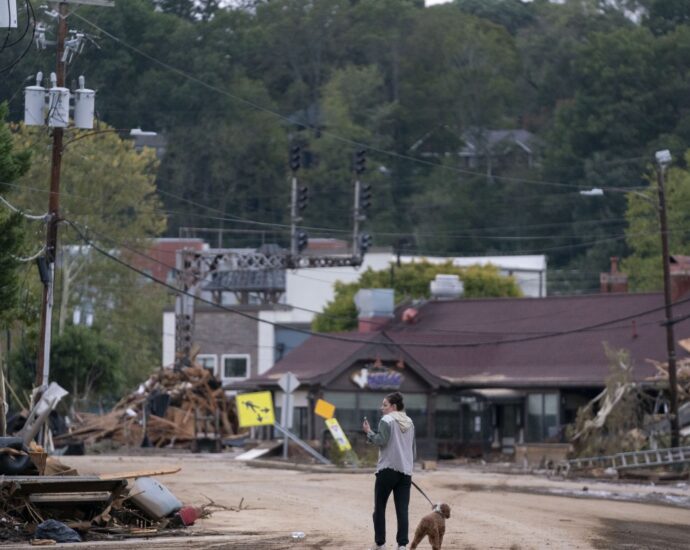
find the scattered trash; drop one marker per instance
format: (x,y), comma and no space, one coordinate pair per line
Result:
(153,498)
(298,535)
(57,531)
(14,456)
(189,514)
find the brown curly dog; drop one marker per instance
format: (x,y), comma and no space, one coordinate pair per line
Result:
(432,525)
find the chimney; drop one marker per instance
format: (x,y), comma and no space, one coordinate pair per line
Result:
(374,308)
(680,276)
(615,281)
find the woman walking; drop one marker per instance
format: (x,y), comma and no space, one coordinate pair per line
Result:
(395,439)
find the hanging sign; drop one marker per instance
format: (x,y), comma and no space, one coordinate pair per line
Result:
(378,378)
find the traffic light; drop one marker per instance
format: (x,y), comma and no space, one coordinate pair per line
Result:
(295,158)
(365,196)
(302,197)
(360,161)
(302,240)
(365,241)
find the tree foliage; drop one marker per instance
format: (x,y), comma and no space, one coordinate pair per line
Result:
(233,85)
(13,163)
(410,281)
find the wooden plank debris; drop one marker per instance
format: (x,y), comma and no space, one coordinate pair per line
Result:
(140,473)
(188,393)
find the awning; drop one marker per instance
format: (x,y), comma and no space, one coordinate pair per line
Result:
(499,395)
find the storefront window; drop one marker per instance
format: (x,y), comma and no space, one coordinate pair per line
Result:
(542,416)
(416,407)
(447,422)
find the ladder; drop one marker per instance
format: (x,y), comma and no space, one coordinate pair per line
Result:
(633,459)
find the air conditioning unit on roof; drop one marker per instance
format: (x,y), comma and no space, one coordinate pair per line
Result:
(446,287)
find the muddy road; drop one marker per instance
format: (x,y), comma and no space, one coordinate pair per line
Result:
(333,510)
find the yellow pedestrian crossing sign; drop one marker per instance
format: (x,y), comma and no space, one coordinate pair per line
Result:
(255,409)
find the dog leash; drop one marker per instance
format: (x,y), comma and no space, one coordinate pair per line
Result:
(423,493)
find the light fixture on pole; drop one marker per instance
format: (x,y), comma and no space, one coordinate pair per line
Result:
(663,160)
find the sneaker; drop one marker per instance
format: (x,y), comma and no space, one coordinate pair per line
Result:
(402,547)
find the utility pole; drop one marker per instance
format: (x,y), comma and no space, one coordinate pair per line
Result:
(43,362)
(663,159)
(59,104)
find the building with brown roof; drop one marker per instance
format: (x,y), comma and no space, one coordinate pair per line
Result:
(480,374)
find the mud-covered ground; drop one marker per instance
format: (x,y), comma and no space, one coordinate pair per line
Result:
(333,509)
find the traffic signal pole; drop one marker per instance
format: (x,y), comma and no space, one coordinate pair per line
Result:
(293,216)
(356,220)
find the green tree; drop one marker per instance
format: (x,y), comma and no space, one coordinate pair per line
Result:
(410,281)
(88,364)
(644,264)
(356,109)
(108,192)
(12,165)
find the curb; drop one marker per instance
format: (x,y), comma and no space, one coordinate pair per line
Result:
(312,468)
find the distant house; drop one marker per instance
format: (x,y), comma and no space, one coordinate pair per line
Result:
(480,374)
(481,148)
(499,148)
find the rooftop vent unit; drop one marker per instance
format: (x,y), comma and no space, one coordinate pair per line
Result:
(446,287)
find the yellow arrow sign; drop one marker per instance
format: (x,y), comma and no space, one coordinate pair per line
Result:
(255,409)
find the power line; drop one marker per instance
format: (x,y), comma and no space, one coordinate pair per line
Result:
(282,226)
(391,342)
(42,217)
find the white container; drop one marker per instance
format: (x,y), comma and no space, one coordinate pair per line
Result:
(153,498)
(58,107)
(34,104)
(8,14)
(84,106)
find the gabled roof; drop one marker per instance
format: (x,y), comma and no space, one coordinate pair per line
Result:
(497,141)
(321,360)
(507,342)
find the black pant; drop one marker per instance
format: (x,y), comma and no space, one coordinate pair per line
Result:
(388,480)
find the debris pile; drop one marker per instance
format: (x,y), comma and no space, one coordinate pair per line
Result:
(175,408)
(626,427)
(682,377)
(71,508)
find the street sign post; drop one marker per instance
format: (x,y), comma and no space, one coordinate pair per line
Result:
(288,383)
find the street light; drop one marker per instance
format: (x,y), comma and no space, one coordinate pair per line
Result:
(663,161)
